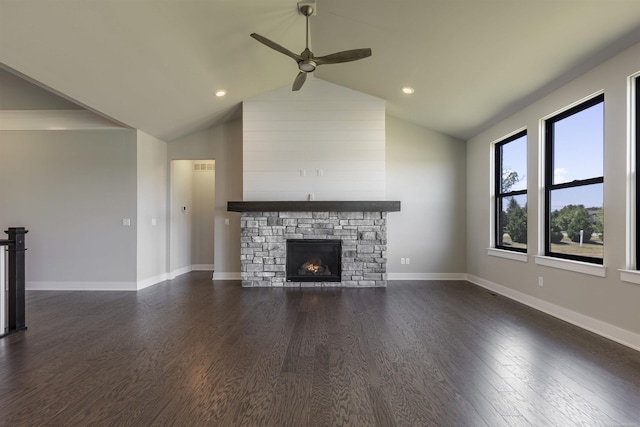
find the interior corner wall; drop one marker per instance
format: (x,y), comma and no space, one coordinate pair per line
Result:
(426,171)
(606,305)
(151,221)
(71,190)
(223,144)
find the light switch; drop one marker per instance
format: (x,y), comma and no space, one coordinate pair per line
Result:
(126,222)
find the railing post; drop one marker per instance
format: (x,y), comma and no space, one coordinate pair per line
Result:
(16,279)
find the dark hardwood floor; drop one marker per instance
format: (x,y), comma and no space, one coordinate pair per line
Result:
(195,352)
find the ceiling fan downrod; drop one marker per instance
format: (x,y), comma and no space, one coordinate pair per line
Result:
(307,65)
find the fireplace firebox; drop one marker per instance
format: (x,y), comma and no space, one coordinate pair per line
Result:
(310,260)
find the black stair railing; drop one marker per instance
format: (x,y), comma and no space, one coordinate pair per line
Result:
(15,280)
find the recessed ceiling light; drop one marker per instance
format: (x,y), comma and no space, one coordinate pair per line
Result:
(220,93)
(408,90)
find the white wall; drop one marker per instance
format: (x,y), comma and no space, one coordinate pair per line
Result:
(324,140)
(71,189)
(224,145)
(426,172)
(607,305)
(152,210)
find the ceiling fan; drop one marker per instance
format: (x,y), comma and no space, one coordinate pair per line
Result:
(307,62)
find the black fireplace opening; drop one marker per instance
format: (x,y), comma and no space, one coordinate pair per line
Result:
(312,260)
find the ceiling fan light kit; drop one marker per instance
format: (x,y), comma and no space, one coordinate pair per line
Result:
(307,62)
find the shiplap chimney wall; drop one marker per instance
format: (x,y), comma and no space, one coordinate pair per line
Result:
(324,140)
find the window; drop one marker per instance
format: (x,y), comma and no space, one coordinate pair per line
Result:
(511,193)
(574,183)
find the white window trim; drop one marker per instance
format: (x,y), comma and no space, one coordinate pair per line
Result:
(631,276)
(631,174)
(571,265)
(541,176)
(492,193)
(512,255)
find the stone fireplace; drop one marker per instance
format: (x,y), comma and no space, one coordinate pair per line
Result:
(358,229)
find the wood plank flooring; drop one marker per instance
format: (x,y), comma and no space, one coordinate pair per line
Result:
(192,352)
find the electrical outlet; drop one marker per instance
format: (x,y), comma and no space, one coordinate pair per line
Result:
(402,261)
(126,222)
(408,260)
(540,281)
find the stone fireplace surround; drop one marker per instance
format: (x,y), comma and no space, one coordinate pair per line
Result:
(360,225)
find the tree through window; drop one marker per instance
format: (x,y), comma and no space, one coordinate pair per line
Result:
(511,192)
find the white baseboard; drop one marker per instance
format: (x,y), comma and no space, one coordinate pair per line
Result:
(190,268)
(426,276)
(614,333)
(169,276)
(180,271)
(202,267)
(226,276)
(81,286)
(153,280)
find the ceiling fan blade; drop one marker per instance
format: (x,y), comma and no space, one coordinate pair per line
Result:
(344,56)
(299,81)
(275,46)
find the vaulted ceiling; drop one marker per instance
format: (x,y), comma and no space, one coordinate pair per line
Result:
(154,64)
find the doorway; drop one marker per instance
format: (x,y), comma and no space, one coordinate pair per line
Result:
(192,214)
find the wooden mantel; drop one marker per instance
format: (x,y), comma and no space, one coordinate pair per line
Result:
(315,206)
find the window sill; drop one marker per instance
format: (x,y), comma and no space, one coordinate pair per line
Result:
(577,266)
(631,276)
(501,253)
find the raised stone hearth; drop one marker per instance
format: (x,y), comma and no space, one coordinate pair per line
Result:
(265,233)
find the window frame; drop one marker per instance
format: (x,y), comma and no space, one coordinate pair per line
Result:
(549,168)
(499,196)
